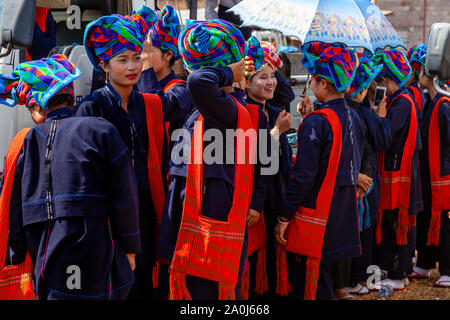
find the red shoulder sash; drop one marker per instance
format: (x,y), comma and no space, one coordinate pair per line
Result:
(395,185)
(305,233)
(15,280)
(205,247)
(440,185)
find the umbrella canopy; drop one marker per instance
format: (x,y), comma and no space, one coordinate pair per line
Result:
(356,23)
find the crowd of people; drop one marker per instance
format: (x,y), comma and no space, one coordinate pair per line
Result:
(96,186)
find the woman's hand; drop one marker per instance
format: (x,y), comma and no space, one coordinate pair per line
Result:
(252,217)
(283,122)
(238,69)
(131,259)
(305,106)
(280,231)
(147,46)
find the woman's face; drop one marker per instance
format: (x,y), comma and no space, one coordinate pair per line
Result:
(424,81)
(319,88)
(263,83)
(160,61)
(124,69)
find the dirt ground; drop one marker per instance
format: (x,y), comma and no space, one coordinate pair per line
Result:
(418,289)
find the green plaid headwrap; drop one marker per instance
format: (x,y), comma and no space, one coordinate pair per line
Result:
(211,43)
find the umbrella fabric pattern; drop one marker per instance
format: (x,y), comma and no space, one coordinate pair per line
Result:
(355,23)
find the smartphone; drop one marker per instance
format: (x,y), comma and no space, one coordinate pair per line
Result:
(380,92)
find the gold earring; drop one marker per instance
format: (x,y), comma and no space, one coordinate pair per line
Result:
(106,79)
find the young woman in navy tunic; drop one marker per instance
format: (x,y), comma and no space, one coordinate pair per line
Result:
(210,86)
(437,122)
(121,104)
(315,139)
(268,189)
(378,139)
(160,54)
(399,170)
(74,199)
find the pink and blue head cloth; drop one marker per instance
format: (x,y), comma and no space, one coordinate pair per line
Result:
(332,62)
(261,53)
(35,82)
(366,72)
(211,43)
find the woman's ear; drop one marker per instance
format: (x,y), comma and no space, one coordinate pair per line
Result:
(168,55)
(104,65)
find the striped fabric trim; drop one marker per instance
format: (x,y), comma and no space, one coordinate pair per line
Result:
(310,219)
(191,227)
(440,183)
(20,278)
(395,179)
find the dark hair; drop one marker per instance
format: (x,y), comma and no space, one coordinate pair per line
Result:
(59,100)
(172,60)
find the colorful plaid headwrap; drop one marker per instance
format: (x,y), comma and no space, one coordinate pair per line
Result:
(395,65)
(366,72)
(37,81)
(334,63)
(108,36)
(211,43)
(165,32)
(414,54)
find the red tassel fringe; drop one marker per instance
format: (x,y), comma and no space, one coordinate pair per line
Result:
(245,282)
(378,234)
(283,285)
(312,277)
(155,275)
(178,288)
(261,272)
(433,231)
(402,229)
(226,291)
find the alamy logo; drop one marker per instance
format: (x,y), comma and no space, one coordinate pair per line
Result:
(74,18)
(375,278)
(228,148)
(74,279)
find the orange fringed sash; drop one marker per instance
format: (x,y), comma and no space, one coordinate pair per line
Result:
(256,238)
(417,96)
(205,247)
(15,280)
(154,115)
(306,231)
(172,83)
(395,186)
(440,185)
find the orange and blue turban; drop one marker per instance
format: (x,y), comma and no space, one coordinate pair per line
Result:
(35,82)
(108,36)
(334,63)
(211,43)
